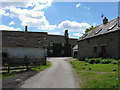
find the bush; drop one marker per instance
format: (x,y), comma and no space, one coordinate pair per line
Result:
(119,61)
(92,60)
(86,60)
(105,61)
(97,60)
(114,62)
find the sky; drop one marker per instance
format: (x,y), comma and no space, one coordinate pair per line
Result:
(55,17)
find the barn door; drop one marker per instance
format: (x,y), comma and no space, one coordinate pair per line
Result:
(104,51)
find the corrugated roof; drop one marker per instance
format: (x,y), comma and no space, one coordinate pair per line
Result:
(102,29)
(24,39)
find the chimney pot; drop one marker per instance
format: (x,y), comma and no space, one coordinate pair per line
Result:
(105,20)
(26,28)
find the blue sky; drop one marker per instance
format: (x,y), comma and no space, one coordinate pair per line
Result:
(55,17)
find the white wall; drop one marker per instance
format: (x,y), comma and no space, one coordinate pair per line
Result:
(20,52)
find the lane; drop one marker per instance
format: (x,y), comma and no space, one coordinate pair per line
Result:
(59,75)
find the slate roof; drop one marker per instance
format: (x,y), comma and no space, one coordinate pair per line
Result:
(111,26)
(61,39)
(75,47)
(24,39)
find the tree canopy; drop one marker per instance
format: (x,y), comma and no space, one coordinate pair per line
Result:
(89,29)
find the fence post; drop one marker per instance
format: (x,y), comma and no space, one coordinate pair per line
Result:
(27,64)
(9,62)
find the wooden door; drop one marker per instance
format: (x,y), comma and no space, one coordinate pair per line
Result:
(104,51)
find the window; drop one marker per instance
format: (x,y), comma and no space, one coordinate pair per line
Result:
(98,31)
(63,44)
(51,51)
(62,52)
(4,54)
(110,28)
(51,43)
(84,35)
(95,49)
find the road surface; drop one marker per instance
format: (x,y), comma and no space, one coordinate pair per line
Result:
(59,75)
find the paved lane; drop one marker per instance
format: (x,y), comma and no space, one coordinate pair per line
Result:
(59,75)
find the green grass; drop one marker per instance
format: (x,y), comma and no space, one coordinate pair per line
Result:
(38,68)
(100,75)
(41,68)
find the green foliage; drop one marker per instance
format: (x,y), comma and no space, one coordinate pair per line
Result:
(106,61)
(114,62)
(103,61)
(89,29)
(42,67)
(91,60)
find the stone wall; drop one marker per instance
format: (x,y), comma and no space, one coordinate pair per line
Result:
(86,48)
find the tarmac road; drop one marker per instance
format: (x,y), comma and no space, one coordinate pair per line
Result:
(59,75)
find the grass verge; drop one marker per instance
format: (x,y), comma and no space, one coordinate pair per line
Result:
(96,75)
(37,68)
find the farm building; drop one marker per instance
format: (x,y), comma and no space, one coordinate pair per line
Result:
(60,45)
(75,51)
(21,44)
(103,41)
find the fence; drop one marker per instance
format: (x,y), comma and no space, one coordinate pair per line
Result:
(9,64)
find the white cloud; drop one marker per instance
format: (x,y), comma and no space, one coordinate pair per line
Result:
(32,18)
(73,26)
(11,23)
(4,27)
(94,24)
(88,8)
(77,34)
(78,5)
(6,4)
(55,33)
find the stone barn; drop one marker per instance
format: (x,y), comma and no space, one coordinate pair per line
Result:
(102,42)
(21,44)
(60,45)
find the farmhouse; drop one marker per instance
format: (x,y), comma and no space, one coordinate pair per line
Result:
(60,45)
(21,44)
(103,41)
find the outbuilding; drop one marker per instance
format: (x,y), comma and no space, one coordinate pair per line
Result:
(20,44)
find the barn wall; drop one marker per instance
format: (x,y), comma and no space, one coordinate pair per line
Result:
(86,47)
(20,52)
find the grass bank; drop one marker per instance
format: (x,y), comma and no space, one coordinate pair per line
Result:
(37,68)
(96,75)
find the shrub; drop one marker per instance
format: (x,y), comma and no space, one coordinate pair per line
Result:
(119,61)
(114,62)
(86,60)
(92,60)
(105,61)
(97,60)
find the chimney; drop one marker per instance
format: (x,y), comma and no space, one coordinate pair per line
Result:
(105,20)
(66,36)
(26,28)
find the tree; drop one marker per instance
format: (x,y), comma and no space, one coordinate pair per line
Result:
(89,29)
